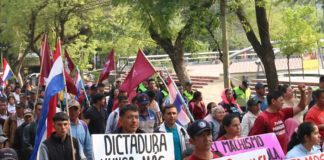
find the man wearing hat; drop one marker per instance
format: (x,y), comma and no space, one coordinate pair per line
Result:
(261,95)
(18,141)
(253,107)
(13,122)
(58,145)
(148,119)
(200,134)
(242,94)
(79,130)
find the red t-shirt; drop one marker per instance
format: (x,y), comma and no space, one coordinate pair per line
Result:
(193,157)
(317,116)
(273,122)
(197,112)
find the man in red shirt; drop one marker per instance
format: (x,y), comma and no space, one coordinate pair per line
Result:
(273,118)
(200,134)
(316,113)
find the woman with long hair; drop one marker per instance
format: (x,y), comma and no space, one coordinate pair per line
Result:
(230,128)
(197,106)
(305,142)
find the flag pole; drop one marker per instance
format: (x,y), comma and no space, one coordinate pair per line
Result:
(87,98)
(66,100)
(182,100)
(40,70)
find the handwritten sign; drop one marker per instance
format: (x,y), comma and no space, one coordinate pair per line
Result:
(157,146)
(245,144)
(260,154)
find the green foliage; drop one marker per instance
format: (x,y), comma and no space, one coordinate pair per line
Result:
(300,33)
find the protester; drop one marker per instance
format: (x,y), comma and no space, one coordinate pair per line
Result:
(158,94)
(18,141)
(260,95)
(8,154)
(11,105)
(253,107)
(24,98)
(112,121)
(153,105)
(129,120)
(242,94)
(316,113)
(230,128)
(29,132)
(148,119)
(95,115)
(210,106)
(229,103)
(215,119)
(180,136)
(13,122)
(201,138)
(197,106)
(320,86)
(112,101)
(188,92)
(16,94)
(3,140)
(80,131)
(3,111)
(290,101)
(272,119)
(305,142)
(59,146)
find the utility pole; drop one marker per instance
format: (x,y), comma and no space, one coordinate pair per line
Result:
(226,74)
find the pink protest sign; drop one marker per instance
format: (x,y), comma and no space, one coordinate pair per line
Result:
(245,144)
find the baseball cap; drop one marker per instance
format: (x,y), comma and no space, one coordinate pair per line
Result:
(252,102)
(188,83)
(259,85)
(74,103)
(27,112)
(8,154)
(143,99)
(198,127)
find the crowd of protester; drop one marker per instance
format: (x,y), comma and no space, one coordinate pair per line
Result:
(298,123)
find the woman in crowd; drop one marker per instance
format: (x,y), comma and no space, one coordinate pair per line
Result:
(229,104)
(305,142)
(197,106)
(230,128)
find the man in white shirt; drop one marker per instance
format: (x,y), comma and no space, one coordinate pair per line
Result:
(250,117)
(112,121)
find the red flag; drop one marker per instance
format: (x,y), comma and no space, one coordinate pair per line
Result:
(45,60)
(141,70)
(109,66)
(51,113)
(70,85)
(68,61)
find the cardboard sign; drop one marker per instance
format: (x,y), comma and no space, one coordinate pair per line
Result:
(260,154)
(318,156)
(155,146)
(245,144)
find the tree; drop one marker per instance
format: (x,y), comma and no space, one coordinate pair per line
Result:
(261,46)
(169,24)
(300,33)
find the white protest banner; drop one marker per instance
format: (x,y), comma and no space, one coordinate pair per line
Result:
(155,146)
(260,154)
(318,156)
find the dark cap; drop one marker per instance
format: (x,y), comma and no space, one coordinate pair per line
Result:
(252,102)
(60,116)
(246,83)
(188,83)
(198,127)
(259,85)
(8,154)
(143,99)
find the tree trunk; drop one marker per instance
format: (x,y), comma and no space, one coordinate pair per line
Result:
(178,62)
(288,66)
(262,47)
